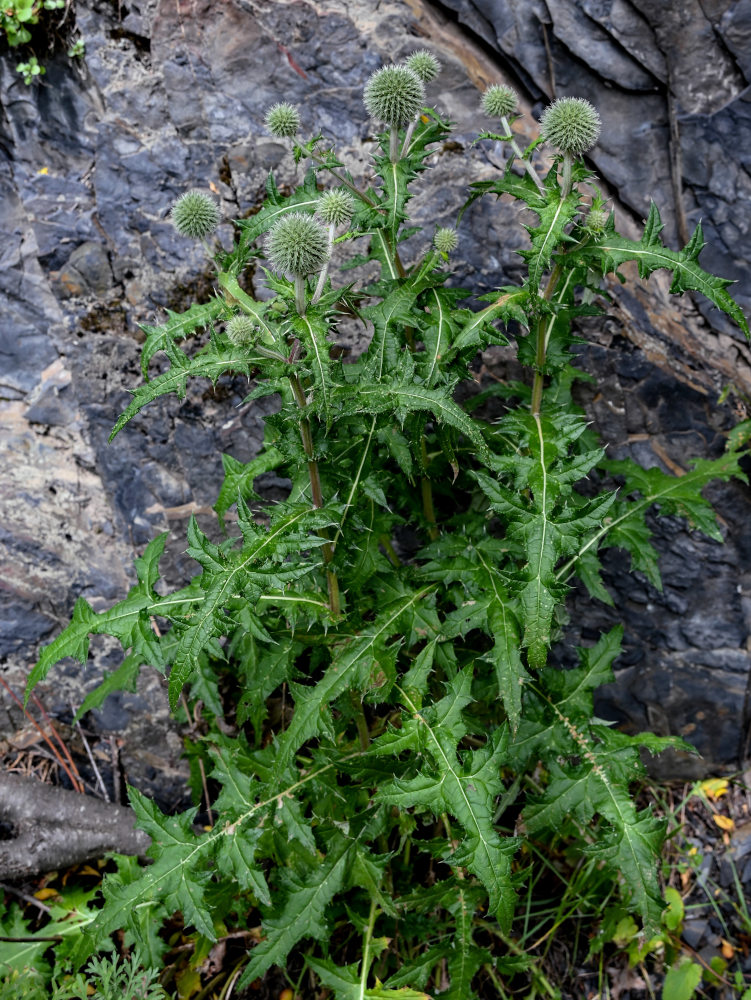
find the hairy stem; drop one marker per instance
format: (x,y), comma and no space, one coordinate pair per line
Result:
(317,495)
(324,272)
(522,159)
(408,138)
(362,723)
(394,143)
(542,343)
(367,937)
(344,180)
(300,303)
(568,162)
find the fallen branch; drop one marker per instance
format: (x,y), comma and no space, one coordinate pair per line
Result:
(54,828)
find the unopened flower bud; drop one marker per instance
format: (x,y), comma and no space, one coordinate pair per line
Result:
(283,120)
(394,95)
(596,220)
(336,207)
(424,65)
(445,240)
(499,101)
(297,245)
(241,331)
(195,214)
(571,124)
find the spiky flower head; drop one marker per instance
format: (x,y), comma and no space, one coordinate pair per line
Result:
(241,330)
(195,214)
(445,240)
(297,244)
(335,207)
(571,124)
(394,95)
(283,120)
(499,101)
(596,220)
(423,64)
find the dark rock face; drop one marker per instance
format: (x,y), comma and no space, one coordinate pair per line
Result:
(172,96)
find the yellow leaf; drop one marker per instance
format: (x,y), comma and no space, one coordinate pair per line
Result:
(44,170)
(188,983)
(714,788)
(42,894)
(724,822)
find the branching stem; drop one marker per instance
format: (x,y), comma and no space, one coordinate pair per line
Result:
(521,157)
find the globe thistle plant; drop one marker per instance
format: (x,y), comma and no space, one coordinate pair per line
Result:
(298,245)
(424,65)
(283,120)
(445,240)
(394,95)
(499,101)
(335,207)
(195,215)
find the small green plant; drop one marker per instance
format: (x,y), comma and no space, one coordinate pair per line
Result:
(30,69)
(17,18)
(387,739)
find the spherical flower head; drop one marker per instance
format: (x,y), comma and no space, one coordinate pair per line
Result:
(424,65)
(336,207)
(241,331)
(499,101)
(195,214)
(445,240)
(394,95)
(283,120)
(571,124)
(596,220)
(297,245)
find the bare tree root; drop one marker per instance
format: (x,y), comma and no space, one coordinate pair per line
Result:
(54,828)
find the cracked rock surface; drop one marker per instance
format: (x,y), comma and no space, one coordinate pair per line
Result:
(172,95)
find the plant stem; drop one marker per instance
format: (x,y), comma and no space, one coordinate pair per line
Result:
(325,270)
(568,162)
(390,552)
(408,138)
(394,144)
(366,939)
(343,180)
(300,303)
(317,495)
(428,508)
(542,343)
(362,723)
(522,159)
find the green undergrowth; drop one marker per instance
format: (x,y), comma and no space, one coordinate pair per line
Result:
(34,26)
(401,794)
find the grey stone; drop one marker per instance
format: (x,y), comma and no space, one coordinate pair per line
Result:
(87,271)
